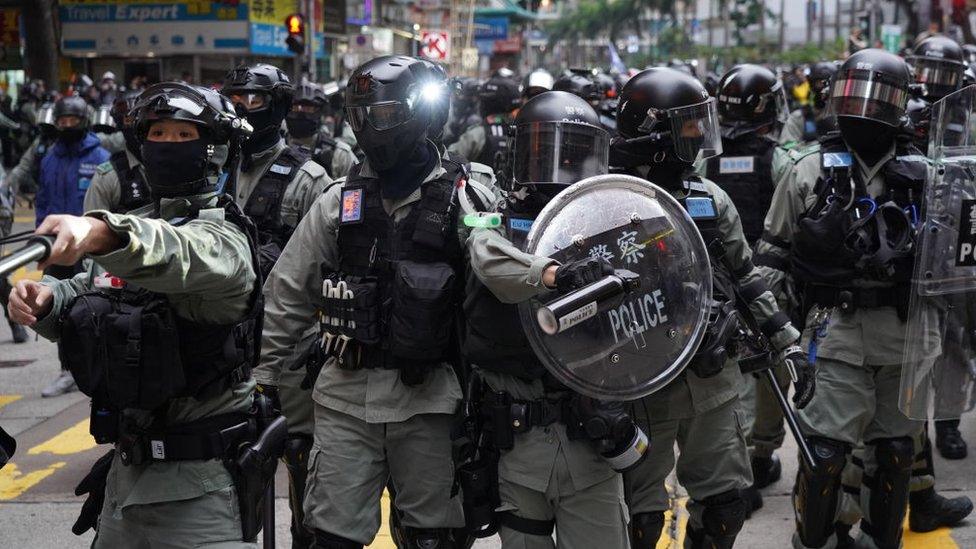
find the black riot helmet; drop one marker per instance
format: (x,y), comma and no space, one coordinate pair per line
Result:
(820,75)
(871,85)
(443,106)
(219,124)
(307,109)
(499,94)
(750,97)
(970,52)
(391,103)
(939,63)
(579,84)
(124,119)
(263,94)
(665,115)
(558,141)
(73,105)
(536,82)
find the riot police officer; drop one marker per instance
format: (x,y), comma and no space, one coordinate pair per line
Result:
(536,82)
(305,122)
(277,186)
(277,183)
(385,394)
(120,184)
(487,142)
(667,121)
(838,226)
(809,121)
(557,142)
(464,109)
(175,392)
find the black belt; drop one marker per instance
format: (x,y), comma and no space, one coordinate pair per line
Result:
(209,438)
(526,414)
(850,299)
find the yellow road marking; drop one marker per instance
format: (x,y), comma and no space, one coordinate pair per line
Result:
(7,399)
(70,441)
(383,539)
(24,274)
(938,539)
(14,483)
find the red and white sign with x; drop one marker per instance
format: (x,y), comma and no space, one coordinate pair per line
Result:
(435,45)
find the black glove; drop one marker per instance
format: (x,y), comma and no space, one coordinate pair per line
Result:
(94,485)
(802,373)
(271,392)
(581,272)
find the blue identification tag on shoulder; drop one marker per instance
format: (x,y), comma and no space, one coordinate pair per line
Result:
(351,205)
(837,160)
(520,225)
(701,207)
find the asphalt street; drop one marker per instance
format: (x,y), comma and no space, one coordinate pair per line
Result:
(38,505)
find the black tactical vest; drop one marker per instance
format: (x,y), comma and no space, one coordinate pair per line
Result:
(494,338)
(495,151)
(406,276)
(133,187)
(127,347)
(837,239)
(264,204)
(744,171)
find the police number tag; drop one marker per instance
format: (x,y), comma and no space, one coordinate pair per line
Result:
(967,235)
(736,164)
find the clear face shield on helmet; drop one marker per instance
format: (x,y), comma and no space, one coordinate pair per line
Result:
(387,115)
(747,120)
(102,121)
(939,76)
(559,153)
(870,95)
(695,130)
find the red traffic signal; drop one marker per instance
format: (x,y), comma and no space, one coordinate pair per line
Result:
(295,23)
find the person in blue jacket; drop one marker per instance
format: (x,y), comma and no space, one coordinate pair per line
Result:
(66,171)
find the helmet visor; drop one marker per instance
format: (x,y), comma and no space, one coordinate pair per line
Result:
(695,131)
(559,153)
(381,116)
(940,77)
(45,115)
(103,121)
(870,95)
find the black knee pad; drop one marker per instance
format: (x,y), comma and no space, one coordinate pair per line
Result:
(645,529)
(327,540)
(816,492)
(428,538)
(889,490)
(724,514)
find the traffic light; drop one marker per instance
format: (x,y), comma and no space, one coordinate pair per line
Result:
(295,25)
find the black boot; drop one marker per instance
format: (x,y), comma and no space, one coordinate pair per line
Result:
(753,499)
(844,539)
(765,471)
(928,510)
(949,440)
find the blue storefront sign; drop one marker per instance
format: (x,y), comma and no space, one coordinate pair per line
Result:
(490,28)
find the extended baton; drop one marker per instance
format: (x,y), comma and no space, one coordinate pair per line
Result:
(37,248)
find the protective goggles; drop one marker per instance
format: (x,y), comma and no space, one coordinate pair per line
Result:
(250,101)
(387,115)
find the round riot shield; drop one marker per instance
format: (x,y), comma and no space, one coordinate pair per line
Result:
(633,344)
(939,360)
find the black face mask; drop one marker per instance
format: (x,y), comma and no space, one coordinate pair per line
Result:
(401,179)
(71,135)
(267,127)
(301,125)
(176,169)
(868,138)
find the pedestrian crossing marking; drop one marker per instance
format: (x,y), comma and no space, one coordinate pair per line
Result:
(70,441)
(14,483)
(7,399)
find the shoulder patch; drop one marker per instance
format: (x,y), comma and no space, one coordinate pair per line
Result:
(313,169)
(212,214)
(105,167)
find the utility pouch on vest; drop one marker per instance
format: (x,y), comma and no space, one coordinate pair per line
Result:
(123,353)
(358,317)
(423,306)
